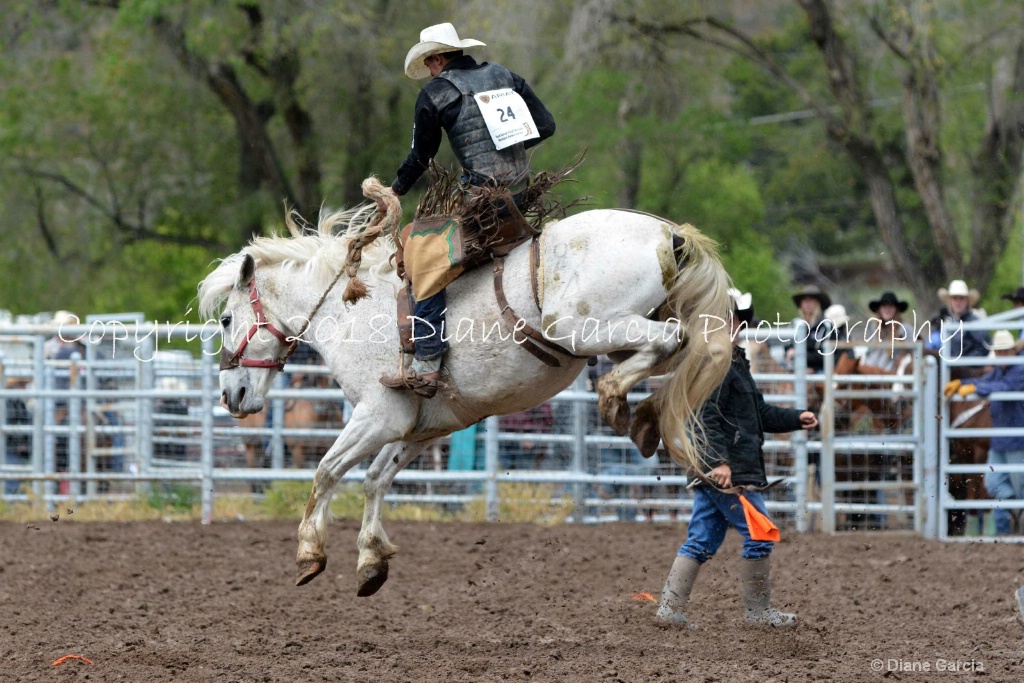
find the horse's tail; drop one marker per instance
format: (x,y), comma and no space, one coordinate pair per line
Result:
(699,299)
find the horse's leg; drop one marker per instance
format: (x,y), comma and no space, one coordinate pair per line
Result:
(651,341)
(374,547)
(644,429)
(364,435)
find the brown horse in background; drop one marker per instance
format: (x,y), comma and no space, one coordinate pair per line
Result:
(886,415)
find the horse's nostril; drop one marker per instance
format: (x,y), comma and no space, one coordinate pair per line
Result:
(241,395)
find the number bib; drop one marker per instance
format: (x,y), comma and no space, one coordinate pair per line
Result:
(507,117)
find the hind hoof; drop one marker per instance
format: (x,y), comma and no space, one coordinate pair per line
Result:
(371,578)
(309,570)
(615,413)
(646,437)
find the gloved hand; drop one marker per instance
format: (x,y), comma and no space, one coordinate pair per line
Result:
(951,388)
(966,390)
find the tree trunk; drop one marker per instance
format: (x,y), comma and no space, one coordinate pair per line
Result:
(997,169)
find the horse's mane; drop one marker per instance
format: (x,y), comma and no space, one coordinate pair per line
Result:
(320,250)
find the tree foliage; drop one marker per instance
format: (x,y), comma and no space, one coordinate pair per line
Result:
(141,139)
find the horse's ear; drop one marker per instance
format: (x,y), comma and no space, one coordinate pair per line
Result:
(247,271)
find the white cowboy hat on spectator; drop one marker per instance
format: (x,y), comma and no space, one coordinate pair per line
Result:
(64,318)
(433,41)
(1002,341)
(959,288)
(744,305)
(836,314)
(743,300)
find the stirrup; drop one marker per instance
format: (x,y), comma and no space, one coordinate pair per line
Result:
(422,385)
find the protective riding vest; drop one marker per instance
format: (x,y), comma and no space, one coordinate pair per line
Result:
(469,137)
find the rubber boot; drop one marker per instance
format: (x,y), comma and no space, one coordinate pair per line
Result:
(676,592)
(756,589)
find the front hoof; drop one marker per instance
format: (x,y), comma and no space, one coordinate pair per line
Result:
(371,578)
(646,437)
(615,413)
(309,570)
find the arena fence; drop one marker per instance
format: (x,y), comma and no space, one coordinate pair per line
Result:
(963,505)
(125,416)
(874,427)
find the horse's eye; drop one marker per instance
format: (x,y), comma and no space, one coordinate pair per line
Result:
(225,320)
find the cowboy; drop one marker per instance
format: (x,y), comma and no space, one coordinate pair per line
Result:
(890,328)
(836,327)
(1016,297)
(491,117)
(811,302)
(735,419)
(1003,450)
(959,303)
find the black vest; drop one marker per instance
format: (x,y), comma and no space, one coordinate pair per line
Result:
(469,137)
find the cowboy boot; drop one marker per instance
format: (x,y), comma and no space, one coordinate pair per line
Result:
(756,589)
(423,377)
(676,592)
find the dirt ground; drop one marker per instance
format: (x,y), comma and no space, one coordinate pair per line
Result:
(478,602)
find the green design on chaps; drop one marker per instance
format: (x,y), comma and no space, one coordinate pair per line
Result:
(447,230)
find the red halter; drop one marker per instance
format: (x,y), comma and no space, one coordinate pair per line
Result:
(236,360)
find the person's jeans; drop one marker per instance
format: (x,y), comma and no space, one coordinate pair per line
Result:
(1004,485)
(713,513)
(11,486)
(428,327)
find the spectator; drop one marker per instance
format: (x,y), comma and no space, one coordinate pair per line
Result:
(1004,450)
(526,453)
(959,303)
(1017,299)
(17,447)
(836,328)
(886,328)
(811,302)
(63,345)
(735,420)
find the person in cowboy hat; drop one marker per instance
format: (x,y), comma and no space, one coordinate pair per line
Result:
(476,105)
(837,327)
(1003,450)
(811,302)
(735,419)
(1016,297)
(959,303)
(885,327)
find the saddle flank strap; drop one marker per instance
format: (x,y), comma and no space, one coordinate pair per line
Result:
(531,337)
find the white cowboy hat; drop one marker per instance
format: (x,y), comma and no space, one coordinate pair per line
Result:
(1002,341)
(743,300)
(64,318)
(959,288)
(433,41)
(836,314)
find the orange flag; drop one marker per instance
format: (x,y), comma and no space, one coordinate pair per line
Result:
(761,528)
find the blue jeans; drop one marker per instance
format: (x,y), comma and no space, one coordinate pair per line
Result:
(11,486)
(428,327)
(713,514)
(1004,485)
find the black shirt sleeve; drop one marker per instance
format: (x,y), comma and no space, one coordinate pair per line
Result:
(426,140)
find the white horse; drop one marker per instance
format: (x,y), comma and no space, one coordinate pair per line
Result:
(610,282)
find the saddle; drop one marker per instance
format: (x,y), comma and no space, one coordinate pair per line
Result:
(459,228)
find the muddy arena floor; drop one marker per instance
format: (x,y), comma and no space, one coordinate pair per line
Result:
(491,602)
